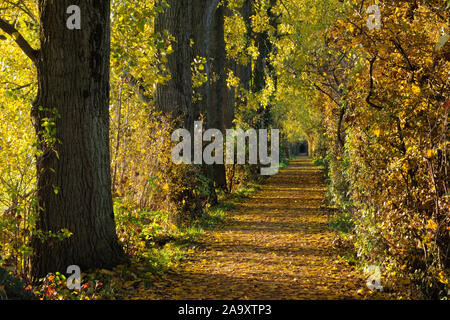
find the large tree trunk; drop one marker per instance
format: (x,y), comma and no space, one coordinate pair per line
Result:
(230,93)
(74,182)
(218,88)
(262,64)
(175,96)
(244,72)
(202,19)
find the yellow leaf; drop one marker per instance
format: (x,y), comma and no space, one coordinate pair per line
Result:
(442,278)
(415,89)
(108,272)
(431,225)
(376,132)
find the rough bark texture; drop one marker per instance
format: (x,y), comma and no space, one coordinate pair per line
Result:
(203,18)
(175,96)
(259,75)
(186,21)
(244,72)
(218,88)
(229,104)
(265,47)
(73,79)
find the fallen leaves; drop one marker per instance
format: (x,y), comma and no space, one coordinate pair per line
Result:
(276,245)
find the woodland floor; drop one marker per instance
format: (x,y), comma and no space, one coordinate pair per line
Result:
(275,245)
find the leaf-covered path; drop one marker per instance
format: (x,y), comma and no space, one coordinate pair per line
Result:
(275,245)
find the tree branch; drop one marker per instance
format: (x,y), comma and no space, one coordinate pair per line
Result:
(369,96)
(339,128)
(20,40)
(141,91)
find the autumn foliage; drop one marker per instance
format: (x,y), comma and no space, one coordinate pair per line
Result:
(383,134)
(372,104)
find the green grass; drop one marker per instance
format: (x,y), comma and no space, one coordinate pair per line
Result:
(342,222)
(168,248)
(284,163)
(319,162)
(246,191)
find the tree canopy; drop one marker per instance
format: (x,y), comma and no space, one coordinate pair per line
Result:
(370,101)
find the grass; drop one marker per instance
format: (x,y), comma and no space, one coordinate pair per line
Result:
(342,222)
(283,163)
(168,248)
(155,246)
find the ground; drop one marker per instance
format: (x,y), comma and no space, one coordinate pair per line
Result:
(275,245)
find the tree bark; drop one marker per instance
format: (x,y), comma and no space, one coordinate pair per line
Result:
(244,72)
(265,47)
(202,19)
(230,93)
(218,88)
(175,96)
(73,173)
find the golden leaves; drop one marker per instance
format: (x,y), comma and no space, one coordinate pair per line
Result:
(415,89)
(431,225)
(276,245)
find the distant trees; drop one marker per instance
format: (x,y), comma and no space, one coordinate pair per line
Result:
(373,103)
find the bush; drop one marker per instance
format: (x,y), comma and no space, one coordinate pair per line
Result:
(12,288)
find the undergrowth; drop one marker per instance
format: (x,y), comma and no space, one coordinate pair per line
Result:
(154,245)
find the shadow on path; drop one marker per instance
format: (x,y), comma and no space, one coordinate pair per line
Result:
(276,245)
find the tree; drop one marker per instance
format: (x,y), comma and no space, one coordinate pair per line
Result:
(244,71)
(263,65)
(198,32)
(71,119)
(189,23)
(203,19)
(175,96)
(218,88)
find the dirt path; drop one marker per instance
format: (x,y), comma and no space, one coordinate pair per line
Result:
(276,245)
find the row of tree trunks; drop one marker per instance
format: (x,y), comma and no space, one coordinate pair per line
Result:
(73,169)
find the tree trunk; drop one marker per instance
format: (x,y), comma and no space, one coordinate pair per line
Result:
(265,47)
(218,88)
(73,173)
(202,19)
(244,72)
(229,103)
(175,96)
